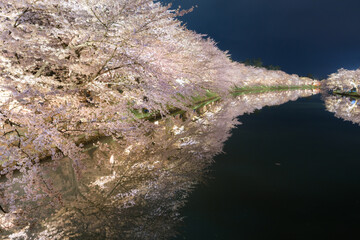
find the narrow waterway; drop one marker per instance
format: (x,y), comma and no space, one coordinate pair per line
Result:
(289,172)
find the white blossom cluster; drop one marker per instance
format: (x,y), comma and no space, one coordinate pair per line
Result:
(344,81)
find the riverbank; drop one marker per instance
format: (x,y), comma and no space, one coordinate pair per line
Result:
(199,104)
(260,89)
(210,97)
(347,94)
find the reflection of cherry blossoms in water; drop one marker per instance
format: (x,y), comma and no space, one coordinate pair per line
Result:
(346,108)
(129,189)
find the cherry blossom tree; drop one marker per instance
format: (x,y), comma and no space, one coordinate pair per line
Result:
(74,76)
(72,71)
(344,80)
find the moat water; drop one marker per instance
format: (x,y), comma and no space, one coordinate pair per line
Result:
(290,170)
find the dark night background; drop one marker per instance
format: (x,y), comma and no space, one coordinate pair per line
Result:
(300,36)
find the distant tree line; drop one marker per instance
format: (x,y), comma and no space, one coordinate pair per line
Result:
(257,62)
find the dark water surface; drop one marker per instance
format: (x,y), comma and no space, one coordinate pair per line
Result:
(289,172)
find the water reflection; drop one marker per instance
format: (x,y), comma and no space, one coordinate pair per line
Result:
(343,107)
(129,189)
